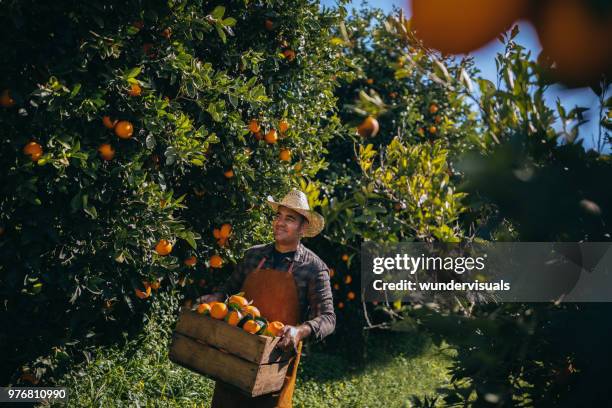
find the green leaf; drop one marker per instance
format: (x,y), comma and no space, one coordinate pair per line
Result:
(515,31)
(230,21)
(75,203)
(133,73)
(486,87)
(218,12)
(440,70)
(75,90)
(171,155)
(91,211)
(221,33)
(191,241)
(466,80)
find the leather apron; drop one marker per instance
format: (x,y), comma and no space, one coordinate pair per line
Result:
(275,294)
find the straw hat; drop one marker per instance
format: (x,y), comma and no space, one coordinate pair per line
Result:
(298,202)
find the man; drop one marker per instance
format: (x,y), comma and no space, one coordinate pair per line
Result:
(288,283)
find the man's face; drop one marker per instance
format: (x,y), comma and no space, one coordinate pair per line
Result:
(287,226)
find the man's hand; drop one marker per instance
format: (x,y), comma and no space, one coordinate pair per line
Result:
(291,336)
(211,297)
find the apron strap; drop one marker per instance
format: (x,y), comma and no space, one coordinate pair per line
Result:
(261,263)
(263,259)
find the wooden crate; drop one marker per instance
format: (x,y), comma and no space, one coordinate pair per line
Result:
(250,362)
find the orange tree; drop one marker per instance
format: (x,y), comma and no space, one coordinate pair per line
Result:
(525,180)
(534,182)
(393,177)
(132,132)
(390,176)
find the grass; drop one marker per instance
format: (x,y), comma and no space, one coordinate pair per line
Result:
(397,367)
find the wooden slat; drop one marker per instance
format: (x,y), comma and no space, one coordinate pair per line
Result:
(214,363)
(270,378)
(250,378)
(254,348)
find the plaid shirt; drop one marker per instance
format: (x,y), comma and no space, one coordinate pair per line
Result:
(311,278)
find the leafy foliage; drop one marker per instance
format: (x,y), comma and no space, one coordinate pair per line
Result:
(80,230)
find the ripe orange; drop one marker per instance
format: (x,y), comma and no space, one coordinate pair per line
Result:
(216,233)
(155,285)
(350,295)
(218,310)
(135,90)
(438,119)
(432,129)
(369,81)
(433,108)
(271,137)
(348,279)
(203,308)
(124,129)
(369,127)
(251,311)
(283,126)
(29,377)
(163,247)
(251,326)
(106,151)
(254,126)
(225,231)
(141,294)
(216,261)
(233,317)
(222,242)
(421,131)
(5,99)
(238,300)
(298,167)
(108,122)
(332,272)
(269,25)
(167,33)
(191,261)
(345,257)
(146,47)
(285,155)
(34,150)
(289,54)
(336,286)
(259,136)
(275,328)
(340,305)
(228,173)
(570,34)
(436,22)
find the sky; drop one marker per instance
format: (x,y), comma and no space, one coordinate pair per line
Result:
(485,61)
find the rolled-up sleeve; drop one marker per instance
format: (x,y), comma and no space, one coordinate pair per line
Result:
(322,319)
